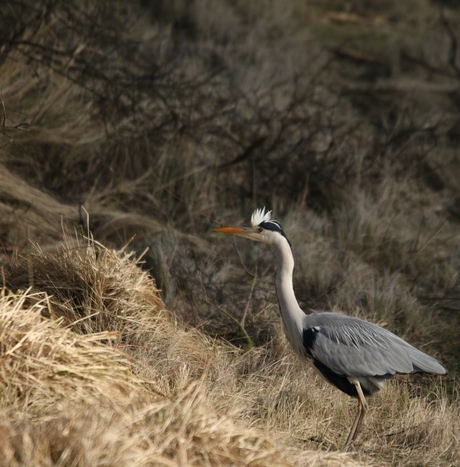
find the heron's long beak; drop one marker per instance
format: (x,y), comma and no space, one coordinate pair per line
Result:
(246,232)
(243,231)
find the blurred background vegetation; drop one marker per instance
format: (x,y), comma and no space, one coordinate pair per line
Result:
(152,122)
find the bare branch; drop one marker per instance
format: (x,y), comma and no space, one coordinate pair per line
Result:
(453,44)
(4,128)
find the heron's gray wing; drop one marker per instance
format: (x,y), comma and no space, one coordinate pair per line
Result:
(353,347)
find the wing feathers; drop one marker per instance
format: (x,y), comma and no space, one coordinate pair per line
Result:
(353,347)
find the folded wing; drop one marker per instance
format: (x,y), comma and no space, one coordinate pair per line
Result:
(355,348)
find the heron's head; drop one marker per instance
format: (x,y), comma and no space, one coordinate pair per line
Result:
(262,229)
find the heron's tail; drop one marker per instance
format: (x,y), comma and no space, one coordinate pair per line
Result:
(423,363)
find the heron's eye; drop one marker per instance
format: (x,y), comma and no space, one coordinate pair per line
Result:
(260,229)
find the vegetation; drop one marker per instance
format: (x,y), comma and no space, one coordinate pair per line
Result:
(129,333)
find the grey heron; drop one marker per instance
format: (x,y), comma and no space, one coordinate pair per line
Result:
(356,356)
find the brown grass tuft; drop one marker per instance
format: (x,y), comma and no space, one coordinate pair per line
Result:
(44,364)
(91,288)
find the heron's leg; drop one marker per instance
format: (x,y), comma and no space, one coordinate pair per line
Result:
(364,409)
(363,406)
(351,435)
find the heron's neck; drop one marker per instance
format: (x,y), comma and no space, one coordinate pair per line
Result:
(292,314)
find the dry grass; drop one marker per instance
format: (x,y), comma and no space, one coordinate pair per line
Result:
(92,288)
(73,399)
(145,391)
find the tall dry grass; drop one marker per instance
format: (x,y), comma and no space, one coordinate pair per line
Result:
(89,380)
(135,389)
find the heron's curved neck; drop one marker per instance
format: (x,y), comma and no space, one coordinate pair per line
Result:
(292,314)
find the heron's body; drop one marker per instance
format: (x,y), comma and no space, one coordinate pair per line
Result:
(341,347)
(354,355)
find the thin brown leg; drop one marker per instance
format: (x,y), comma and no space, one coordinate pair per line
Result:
(363,406)
(351,435)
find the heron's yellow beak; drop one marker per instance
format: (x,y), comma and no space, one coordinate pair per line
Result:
(233,230)
(246,232)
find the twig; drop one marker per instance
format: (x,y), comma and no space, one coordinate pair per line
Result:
(246,335)
(248,301)
(453,44)
(24,126)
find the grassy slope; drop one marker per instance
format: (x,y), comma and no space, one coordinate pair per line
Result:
(166,121)
(122,384)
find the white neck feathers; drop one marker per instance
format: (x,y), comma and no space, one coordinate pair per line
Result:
(292,314)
